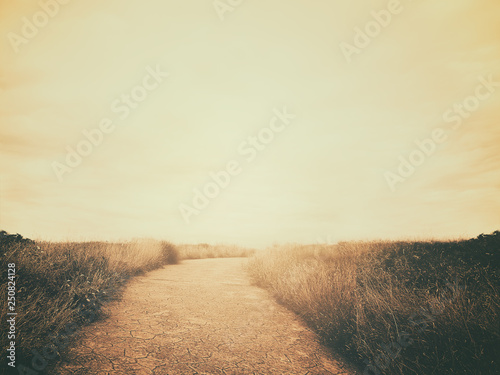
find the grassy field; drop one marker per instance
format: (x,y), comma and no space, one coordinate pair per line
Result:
(390,307)
(61,286)
(395,307)
(203,251)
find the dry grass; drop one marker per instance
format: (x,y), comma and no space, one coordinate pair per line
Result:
(56,281)
(364,297)
(203,251)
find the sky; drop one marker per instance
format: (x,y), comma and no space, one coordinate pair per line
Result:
(324,121)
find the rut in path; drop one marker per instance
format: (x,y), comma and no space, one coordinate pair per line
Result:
(198,317)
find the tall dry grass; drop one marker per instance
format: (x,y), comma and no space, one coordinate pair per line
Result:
(202,251)
(56,281)
(395,307)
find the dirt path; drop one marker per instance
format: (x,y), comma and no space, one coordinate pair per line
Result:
(199,317)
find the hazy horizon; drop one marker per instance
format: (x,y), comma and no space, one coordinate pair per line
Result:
(342,110)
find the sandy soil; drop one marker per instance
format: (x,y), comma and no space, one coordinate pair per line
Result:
(198,317)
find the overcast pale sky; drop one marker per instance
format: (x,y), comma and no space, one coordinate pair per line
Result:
(330,172)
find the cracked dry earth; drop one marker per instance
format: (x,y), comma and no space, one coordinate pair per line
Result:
(198,317)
